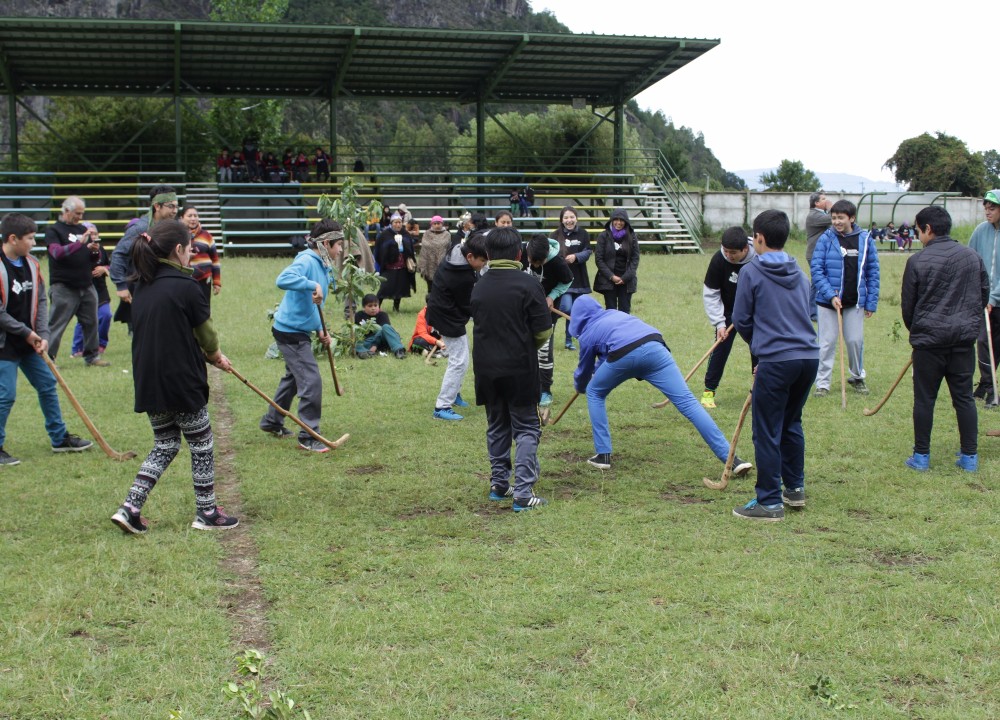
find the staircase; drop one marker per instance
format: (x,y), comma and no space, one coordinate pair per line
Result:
(205,197)
(669,226)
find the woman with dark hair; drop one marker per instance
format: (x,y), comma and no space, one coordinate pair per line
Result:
(574,246)
(617,258)
(172,339)
(392,251)
(204,256)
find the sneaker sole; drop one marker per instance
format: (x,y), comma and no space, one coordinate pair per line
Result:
(758,517)
(742,469)
(318,451)
(10,463)
(72,449)
(599,466)
(125,526)
(793,503)
(199,525)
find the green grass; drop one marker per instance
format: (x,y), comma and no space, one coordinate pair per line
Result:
(396,590)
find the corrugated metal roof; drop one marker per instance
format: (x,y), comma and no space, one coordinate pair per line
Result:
(60,56)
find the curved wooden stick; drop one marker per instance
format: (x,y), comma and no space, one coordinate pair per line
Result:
(993,360)
(430,356)
(840,342)
(563,411)
(560,313)
(329,354)
(868,413)
(664,403)
(727,472)
(108,450)
(333,445)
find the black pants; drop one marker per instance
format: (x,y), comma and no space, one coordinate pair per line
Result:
(717,360)
(955,365)
(618,298)
(983,348)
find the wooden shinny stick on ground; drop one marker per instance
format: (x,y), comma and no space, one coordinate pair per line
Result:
(869,413)
(108,450)
(329,354)
(563,411)
(333,445)
(429,360)
(664,403)
(840,342)
(727,472)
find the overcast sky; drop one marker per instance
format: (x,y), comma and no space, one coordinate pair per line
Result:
(836,85)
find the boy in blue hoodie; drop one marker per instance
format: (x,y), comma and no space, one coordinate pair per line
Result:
(306,283)
(845,271)
(615,347)
(771,313)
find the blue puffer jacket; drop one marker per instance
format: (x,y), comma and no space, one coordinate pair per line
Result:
(827,268)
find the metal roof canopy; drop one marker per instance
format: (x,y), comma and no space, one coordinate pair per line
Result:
(69,56)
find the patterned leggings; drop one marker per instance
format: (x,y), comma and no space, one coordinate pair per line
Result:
(167,430)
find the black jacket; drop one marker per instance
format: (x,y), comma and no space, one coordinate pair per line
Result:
(604,256)
(945,288)
(450,305)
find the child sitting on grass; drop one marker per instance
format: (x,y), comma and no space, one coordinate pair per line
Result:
(424,336)
(385,338)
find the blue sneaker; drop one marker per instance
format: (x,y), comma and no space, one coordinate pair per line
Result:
(969,463)
(545,400)
(446,414)
(755,511)
(528,503)
(918,462)
(498,494)
(459,402)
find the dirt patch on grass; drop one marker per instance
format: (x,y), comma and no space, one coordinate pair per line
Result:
(859,514)
(244,598)
(425,512)
(894,558)
(567,457)
(682,494)
(364,470)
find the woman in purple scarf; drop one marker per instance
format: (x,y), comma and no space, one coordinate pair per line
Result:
(617,258)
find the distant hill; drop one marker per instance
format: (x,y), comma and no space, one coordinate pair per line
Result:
(829,181)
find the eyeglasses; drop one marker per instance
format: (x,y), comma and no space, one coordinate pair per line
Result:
(170,206)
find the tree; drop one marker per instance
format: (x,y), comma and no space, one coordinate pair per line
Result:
(791,176)
(991,159)
(940,162)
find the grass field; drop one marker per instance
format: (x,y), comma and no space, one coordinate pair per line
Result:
(381,583)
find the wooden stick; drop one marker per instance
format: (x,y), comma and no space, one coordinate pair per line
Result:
(563,411)
(332,445)
(727,472)
(329,354)
(430,356)
(840,342)
(993,360)
(560,313)
(869,413)
(664,403)
(108,450)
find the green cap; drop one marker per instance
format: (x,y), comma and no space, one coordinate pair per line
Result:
(993,196)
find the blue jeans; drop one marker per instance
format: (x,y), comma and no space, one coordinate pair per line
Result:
(566,305)
(653,363)
(103,330)
(779,394)
(41,378)
(385,337)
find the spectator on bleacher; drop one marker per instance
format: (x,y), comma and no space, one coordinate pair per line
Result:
(504,218)
(404,213)
(238,168)
(223,165)
(574,245)
(273,172)
(515,201)
(73,251)
(288,162)
(891,236)
(162,206)
(322,163)
(617,258)
(301,167)
(386,219)
(252,160)
(204,256)
(393,250)
(905,241)
(527,201)
(433,246)
(99,275)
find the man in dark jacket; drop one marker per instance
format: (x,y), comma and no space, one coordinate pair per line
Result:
(449,308)
(945,288)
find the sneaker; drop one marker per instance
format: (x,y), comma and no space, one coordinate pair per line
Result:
(755,511)
(602,461)
(71,443)
(969,463)
(741,467)
(919,462)
(708,399)
(98,362)
(7,459)
(77,355)
(459,402)
(795,498)
(570,345)
(446,414)
(821,392)
(545,400)
(401,354)
(528,503)
(499,493)
(313,445)
(215,519)
(130,522)
(859,386)
(279,432)
(363,355)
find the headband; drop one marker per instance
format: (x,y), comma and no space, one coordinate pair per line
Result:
(164,198)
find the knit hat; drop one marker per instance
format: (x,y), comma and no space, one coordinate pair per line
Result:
(402,208)
(437,218)
(992,196)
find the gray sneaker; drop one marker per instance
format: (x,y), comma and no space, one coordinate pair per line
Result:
(821,392)
(7,459)
(755,511)
(859,386)
(794,498)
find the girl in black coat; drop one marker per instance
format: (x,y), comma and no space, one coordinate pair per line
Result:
(617,258)
(393,249)
(574,246)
